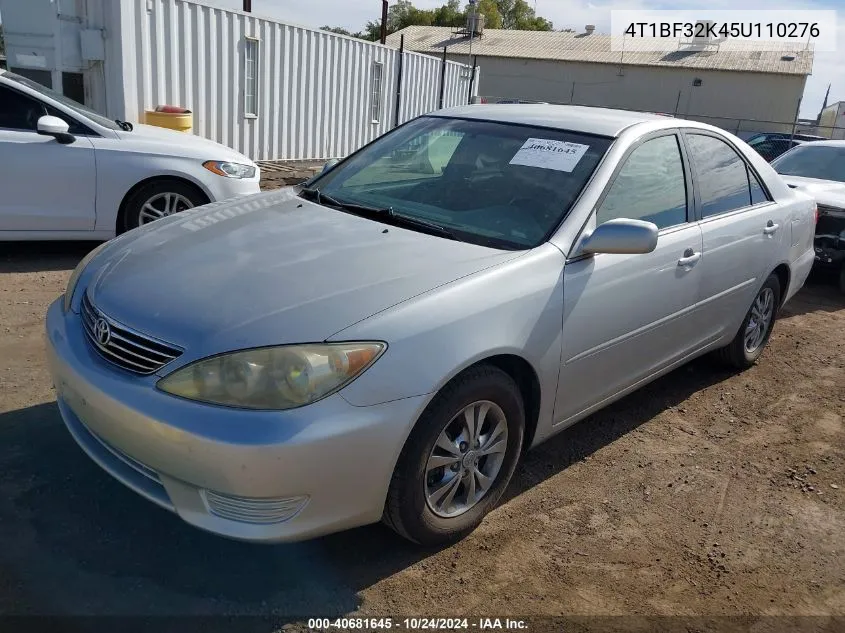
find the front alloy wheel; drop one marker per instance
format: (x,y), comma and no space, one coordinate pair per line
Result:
(162,205)
(466,459)
(458,459)
(158,199)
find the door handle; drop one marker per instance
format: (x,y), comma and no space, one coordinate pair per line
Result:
(690,257)
(771,228)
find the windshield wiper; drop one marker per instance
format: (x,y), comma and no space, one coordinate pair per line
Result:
(398,219)
(126,126)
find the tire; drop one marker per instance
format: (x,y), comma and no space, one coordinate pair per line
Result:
(842,280)
(183,196)
(740,355)
(408,509)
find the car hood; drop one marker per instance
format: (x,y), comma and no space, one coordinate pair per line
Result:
(154,139)
(270,269)
(826,192)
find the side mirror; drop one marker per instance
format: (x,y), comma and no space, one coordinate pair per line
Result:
(621,236)
(331,163)
(54,126)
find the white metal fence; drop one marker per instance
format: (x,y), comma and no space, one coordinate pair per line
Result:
(315,89)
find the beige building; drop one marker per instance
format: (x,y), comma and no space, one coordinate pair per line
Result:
(734,85)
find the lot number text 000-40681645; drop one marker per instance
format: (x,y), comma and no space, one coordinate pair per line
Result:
(417,624)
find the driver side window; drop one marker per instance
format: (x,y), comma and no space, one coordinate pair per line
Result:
(650,186)
(19,112)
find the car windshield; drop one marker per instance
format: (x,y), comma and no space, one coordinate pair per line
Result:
(497,184)
(825,162)
(65,101)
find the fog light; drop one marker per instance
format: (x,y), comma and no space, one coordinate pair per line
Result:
(260,511)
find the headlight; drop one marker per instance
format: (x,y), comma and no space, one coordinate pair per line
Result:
(273,377)
(229,170)
(77,272)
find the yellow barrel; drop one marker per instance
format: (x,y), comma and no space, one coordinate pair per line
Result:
(181,122)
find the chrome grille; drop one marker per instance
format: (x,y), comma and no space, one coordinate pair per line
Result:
(124,347)
(251,510)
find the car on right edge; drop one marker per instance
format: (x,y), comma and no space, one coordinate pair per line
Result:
(818,169)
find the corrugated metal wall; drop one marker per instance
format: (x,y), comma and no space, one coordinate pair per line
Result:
(315,88)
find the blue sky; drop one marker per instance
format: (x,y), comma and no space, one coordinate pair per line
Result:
(353,14)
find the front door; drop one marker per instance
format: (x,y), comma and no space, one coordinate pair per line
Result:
(626,317)
(46,186)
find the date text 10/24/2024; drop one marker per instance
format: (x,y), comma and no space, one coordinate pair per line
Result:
(417,624)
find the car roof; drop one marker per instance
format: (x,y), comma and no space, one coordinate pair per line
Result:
(600,121)
(824,143)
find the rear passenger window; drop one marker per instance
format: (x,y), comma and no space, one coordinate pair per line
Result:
(758,194)
(721,173)
(650,186)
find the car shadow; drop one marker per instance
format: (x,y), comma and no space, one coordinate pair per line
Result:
(35,257)
(820,294)
(76,539)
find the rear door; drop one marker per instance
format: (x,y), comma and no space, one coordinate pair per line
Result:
(741,226)
(46,186)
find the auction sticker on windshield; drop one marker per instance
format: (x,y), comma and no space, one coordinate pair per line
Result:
(547,154)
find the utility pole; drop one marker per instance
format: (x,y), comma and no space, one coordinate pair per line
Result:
(473,20)
(383,21)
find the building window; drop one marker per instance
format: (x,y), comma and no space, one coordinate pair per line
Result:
(251,78)
(375,106)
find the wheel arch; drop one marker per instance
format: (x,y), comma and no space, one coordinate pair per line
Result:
(120,222)
(784,275)
(522,373)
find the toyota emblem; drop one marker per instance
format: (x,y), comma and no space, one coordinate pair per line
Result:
(102,332)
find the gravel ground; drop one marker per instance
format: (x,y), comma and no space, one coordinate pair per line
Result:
(705,493)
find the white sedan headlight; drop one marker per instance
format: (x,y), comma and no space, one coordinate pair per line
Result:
(273,377)
(77,273)
(229,170)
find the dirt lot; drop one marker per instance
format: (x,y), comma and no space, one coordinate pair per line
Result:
(705,493)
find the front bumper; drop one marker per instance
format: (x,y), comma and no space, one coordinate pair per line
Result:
(249,475)
(219,188)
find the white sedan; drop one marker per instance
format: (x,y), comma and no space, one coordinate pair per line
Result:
(818,169)
(70,173)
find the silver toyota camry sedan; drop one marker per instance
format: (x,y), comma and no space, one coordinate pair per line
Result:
(385,341)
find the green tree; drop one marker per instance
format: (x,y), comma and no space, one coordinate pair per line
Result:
(404,14)
(449,14)
(519,15)
(490,10)
(507,14)
(336,29)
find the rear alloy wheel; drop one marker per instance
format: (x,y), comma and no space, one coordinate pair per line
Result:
(459,458)
(160,199)
(756,328)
